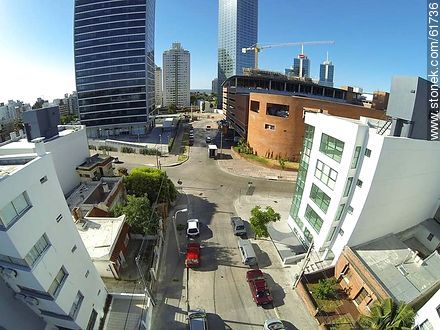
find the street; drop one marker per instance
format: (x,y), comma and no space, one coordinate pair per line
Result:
(219,285)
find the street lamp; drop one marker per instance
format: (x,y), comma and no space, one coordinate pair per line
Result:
(175,228)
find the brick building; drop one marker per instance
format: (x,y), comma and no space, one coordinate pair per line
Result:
(275,125)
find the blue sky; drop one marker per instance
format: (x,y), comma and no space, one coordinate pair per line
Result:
(374,41)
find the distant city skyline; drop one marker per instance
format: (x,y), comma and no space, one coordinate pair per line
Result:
(37,57)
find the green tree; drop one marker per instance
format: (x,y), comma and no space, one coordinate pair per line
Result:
(282,163)
(388,315)
(172,108)
(326,288)
(144,181)
(139,215)
(260,218)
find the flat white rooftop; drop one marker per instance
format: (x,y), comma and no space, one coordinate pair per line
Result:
(12,163)
(99,235)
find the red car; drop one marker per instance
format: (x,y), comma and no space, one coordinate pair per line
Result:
(192,255)
(259,289)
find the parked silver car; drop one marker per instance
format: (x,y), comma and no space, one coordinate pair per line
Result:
(273,324)
(238,226)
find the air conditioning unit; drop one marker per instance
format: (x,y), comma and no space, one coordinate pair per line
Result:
(31,301)
(9,273)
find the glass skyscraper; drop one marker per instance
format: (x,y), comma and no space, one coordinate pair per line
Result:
(326,72)
(114,65)
(237,29)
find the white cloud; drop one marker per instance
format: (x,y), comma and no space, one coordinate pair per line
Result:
(26,78)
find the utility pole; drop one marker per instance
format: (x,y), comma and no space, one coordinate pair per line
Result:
(303,267)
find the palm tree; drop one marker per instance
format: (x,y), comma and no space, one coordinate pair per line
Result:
(387,315)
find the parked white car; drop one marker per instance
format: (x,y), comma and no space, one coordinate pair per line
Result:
(193,228)
(273,324)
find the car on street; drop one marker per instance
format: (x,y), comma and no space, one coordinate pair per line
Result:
(238,227)
(273,324)
(259,288)
(193,228)
(197,320)
(208,139)
(192,255)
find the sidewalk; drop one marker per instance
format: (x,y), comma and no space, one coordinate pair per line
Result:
(240,167)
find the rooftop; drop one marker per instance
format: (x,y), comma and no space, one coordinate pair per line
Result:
(12,163)
(399,268)
(97,159)
(99,235)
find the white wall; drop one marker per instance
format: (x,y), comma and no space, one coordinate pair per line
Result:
(429,311)
(47,203)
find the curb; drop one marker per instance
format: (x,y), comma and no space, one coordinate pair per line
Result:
(176,164)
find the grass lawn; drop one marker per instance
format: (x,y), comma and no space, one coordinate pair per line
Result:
(326,305)
(272,163)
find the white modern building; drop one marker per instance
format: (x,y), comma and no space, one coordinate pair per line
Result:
(176,76)
(357,183)
(158,92)
(69,149)
(42,257)
(428,317)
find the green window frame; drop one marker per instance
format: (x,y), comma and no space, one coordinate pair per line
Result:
(348,185)
(326,174)
(331,147)
(339,212)
(355,161)
(320,198)
(313,219)
(308,235)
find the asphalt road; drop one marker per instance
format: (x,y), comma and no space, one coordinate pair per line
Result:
(219,285)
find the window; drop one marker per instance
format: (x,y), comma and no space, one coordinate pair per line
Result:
(348,187)
(326,174)
(59,217)
(359,183)
(313,218)
(43,179)
(430,237)
(426,325)
(269,126)
(308,235)
(339,212)
(255,106)
(332,234)
(355,161)
(76,305)
(331,147)
(367,152)
(58,282)
(14,210)
(319,198)
(278,110)
(37,250)
(350,210)
(360,296)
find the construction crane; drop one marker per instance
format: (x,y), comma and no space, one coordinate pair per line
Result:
(258,48)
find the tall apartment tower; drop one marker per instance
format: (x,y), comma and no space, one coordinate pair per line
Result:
(176,76)
(301,66)
(42,257)
(326,72)
(158,94)
(114,65)
(237,29)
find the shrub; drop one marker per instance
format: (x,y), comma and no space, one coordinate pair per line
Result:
(91,147)
(128,150)
(326,288)
(150,151)
(107,148)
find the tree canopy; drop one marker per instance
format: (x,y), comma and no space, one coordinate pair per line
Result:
(261,218)
(388,315)
(144,181)
(139,215)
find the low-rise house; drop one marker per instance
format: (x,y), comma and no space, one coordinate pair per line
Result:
(106,240)
(403,266)
(95,167)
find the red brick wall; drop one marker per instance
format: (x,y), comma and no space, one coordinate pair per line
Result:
(358,277)
(287,139)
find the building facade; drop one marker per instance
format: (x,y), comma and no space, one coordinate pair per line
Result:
(176,76)
(237,29)
(301,67)
(357,183)
(158,92)
(114,65)
(214,86)
(42,256)
(276,122)
(326,73)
